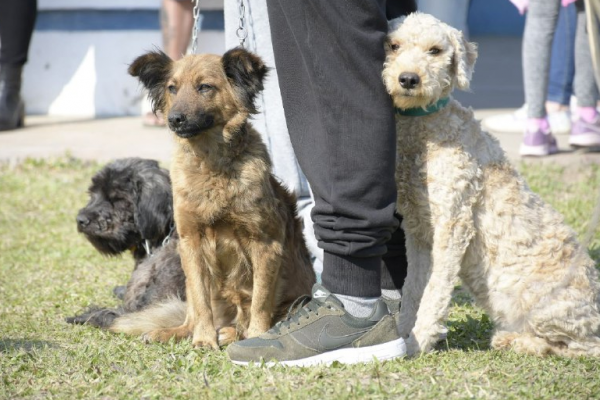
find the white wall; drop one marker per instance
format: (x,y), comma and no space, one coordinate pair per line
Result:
(84,73)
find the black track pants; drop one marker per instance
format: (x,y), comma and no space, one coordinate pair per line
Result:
(329,56)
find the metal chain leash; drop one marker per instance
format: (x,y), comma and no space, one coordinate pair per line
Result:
(241,32)
(196,13)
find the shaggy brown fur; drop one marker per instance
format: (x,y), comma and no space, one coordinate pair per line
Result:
(241,244)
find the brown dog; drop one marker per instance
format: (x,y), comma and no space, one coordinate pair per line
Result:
(241,245)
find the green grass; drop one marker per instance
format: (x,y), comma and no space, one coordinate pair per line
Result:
(49,272)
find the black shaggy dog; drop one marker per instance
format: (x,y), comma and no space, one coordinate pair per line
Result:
(131,209)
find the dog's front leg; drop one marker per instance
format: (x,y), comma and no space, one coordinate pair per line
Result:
(419,267)
(266,258)
(450,240)
(200,253)
(196,254)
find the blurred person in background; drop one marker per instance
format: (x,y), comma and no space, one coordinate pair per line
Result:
(560,84)
(176,23)
(17,20)
(538,140)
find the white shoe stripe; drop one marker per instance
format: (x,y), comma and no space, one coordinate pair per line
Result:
(385,351)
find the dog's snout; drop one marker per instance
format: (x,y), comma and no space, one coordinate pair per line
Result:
(176,120)
(82,220)
(409,80)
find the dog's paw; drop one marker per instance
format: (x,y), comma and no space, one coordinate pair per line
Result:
(228,335)
(254,332)
(412,346)
(416,344)
(206,343)
(164,335)
(404,329)
(119,292)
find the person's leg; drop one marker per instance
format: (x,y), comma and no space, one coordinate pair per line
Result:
(17,20)
(562,62)
(341,125)
(537,46)
(586,129)
(585,88)
(329,57)
(176,23)
(270,121)
(560,87)
(394,269)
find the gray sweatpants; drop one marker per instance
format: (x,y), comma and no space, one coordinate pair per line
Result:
(270,121)
(542,16)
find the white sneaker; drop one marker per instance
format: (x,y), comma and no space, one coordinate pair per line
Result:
(560,121)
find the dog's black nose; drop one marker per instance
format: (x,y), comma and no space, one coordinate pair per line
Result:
(82,220)
(409,80)
(176,120)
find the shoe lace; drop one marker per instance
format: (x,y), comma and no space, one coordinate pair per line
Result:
(303,306)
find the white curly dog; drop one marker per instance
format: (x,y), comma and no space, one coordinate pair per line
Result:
(469,214)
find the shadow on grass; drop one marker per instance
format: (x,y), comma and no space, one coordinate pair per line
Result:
(10,345)
(470,332)
(461,297)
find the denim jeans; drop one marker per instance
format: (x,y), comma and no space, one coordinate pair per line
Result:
(562,62)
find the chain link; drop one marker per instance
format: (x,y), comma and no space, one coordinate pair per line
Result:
(196,13)
(241,32)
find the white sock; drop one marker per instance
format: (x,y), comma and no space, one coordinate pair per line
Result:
(392,297)
(357,306)
(391,294)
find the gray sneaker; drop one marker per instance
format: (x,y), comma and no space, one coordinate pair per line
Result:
(322,332)
(585,134)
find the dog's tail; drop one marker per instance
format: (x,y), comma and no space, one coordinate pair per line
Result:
(169,314)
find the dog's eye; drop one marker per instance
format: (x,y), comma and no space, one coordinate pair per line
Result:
(172,89)
(204,88)
(394,47)
(434,51)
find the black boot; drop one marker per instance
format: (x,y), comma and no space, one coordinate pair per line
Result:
(12,109)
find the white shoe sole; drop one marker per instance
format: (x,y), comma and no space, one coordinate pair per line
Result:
(560,122)
(538,151)
(381,352)
(585,140)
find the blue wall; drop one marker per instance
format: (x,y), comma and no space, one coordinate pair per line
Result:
(495,17)
(486,17)
(123,20)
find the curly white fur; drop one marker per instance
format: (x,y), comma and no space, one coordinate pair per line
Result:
(469,214)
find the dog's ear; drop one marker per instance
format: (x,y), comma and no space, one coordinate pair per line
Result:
(152,69)
(246,73)
(463,59)
(153,214)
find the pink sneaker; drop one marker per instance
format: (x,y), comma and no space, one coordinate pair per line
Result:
(585,134)
(538,143)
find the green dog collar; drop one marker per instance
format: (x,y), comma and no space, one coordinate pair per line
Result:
(419,111)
